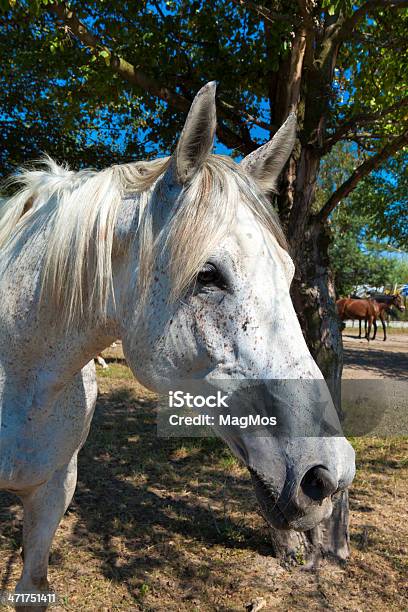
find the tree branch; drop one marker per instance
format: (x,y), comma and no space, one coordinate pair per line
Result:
(264,12)
(299,45)
(232,111)
(359,173)
(305,11)
(349,24)
(136,76)
(130,73)
(360,119)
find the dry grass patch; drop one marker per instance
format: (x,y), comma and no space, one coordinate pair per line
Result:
(172,524)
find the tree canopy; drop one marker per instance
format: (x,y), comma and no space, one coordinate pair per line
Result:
(103,81)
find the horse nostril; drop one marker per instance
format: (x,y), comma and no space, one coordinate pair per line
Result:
(318,483)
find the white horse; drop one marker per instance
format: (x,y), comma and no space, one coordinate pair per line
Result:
(184,260)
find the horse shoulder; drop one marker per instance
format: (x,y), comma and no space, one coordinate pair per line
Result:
(340,305)
(41,433)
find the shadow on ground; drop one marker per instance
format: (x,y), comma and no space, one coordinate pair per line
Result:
(394,365)
(159,497)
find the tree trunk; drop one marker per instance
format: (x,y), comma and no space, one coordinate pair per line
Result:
(315,303)
(313,296)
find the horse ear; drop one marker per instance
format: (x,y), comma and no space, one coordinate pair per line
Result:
(266,163)
(197,138)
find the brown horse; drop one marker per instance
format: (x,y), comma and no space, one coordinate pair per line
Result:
(382,305)
(357,309)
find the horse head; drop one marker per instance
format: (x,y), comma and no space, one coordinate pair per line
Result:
(207,298)
(397,302)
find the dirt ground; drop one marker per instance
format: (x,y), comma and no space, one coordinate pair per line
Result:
(375,359)
(172,524)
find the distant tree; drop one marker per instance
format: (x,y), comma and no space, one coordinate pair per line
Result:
(352,261)
(383,199)
(371,221)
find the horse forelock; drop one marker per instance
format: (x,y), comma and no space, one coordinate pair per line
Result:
(81,209)
(205,214)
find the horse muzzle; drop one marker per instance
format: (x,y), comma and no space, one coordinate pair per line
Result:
(299,507)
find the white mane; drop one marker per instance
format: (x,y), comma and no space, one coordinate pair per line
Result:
(81,210)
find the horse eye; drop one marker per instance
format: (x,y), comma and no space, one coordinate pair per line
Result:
(210,275)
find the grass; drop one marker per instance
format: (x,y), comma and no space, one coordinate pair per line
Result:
(115,371)
(391,331)
(397,330)
(172,524)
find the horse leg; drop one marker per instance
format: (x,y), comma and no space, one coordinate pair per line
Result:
(375,328)
(102,362)
(384,328)
(43,510)
(370,320)
(359,328)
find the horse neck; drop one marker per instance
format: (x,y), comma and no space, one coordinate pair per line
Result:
(39,337)
(382,306)
(385,299)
